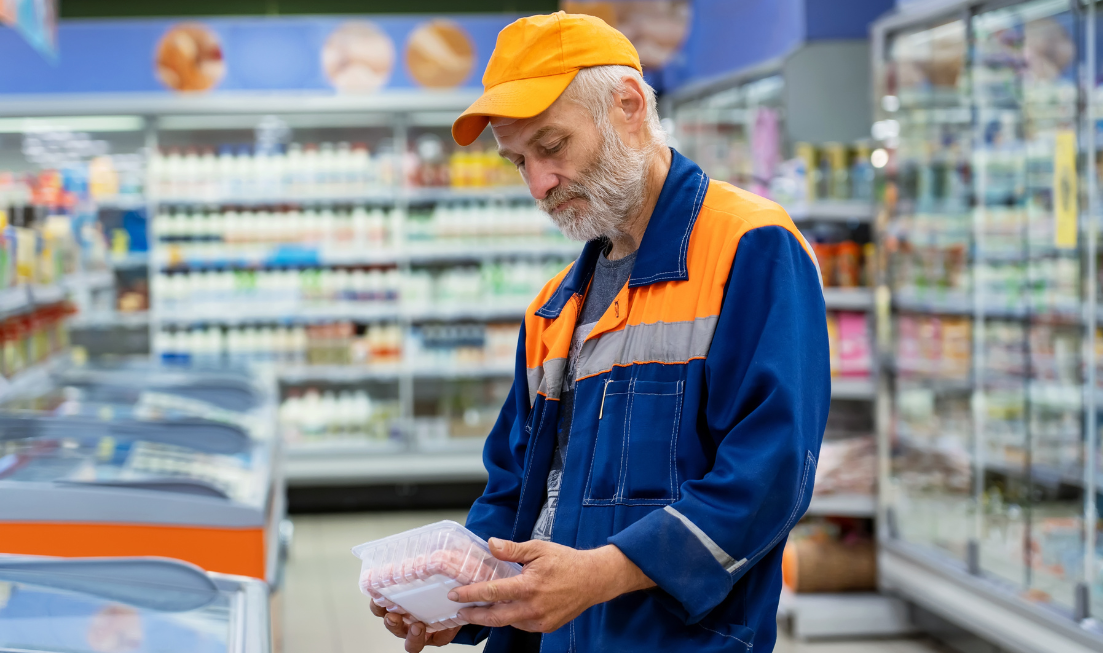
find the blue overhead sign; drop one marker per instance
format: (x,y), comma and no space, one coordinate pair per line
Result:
(307,54)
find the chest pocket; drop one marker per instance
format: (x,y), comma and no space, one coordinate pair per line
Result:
(634,452)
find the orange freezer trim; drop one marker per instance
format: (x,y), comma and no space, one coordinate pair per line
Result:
(226,550)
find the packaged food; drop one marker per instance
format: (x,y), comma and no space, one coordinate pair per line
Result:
(411,573)
(848,264)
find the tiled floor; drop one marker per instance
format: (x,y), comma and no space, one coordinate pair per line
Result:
(324,612)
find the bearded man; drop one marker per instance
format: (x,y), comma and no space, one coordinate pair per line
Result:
(671,386)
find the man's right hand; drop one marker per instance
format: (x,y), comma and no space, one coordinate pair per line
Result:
(415,635)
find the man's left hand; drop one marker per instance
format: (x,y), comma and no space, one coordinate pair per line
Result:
(557,584)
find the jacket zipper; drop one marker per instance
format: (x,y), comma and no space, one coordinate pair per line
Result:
(601,411)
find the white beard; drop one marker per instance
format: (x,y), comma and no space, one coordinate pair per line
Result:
(611,186)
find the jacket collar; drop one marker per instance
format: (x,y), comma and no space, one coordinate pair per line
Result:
(665,245)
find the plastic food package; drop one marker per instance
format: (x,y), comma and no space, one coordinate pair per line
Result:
(411,573)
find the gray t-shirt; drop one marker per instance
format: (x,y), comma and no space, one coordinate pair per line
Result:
(609,278)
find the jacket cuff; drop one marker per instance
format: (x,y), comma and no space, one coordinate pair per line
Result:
(681,559)
(471,634)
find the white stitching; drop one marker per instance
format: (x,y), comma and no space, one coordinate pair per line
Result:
(794,516)
(728,636)
(593,455)
(528,468)
(625,442)
(684,245)
(674,441)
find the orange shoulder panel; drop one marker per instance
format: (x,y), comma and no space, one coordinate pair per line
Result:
(726,214)
(535,349)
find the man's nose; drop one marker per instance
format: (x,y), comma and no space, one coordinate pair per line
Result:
(541,180)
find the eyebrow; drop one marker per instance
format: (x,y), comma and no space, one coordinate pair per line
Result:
(540,133)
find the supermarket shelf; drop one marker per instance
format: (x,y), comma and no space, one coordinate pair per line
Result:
(125,203)
(990,609)
(962,304)
(848,299)
(50,294)
(278,314)
(853,614)
(443,311)
(21,299)
(837,211)
(131,260)
(374,196)
(506,193)
(90,280)
(366,467)
(442,251)
(35,377)
(852,388)
(111,320)
(843,505)
(299,374)
(426,252)
(474,310)
(14,300)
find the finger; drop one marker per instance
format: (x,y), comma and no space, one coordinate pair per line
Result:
(522,552)
(496,616)
(377,609)
(415,639)
(395,625)
(442,637)
(492,591)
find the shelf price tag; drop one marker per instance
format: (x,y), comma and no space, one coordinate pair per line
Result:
(1064,189)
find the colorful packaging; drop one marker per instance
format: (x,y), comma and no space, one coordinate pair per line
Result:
(854,347)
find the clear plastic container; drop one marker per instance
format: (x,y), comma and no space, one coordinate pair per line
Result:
(411,573)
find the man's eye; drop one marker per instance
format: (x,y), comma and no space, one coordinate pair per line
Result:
(554,148)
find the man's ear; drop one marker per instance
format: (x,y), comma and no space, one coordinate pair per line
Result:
(632,104)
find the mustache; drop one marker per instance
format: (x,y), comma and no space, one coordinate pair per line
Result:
(560,194)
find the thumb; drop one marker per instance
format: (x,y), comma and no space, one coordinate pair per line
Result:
(520,552)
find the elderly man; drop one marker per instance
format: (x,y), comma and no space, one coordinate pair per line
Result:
(672,384)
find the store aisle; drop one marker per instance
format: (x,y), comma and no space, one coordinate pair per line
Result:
(324,611)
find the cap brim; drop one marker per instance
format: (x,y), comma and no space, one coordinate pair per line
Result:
(520,98)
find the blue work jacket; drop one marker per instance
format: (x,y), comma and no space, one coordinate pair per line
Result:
(701,399)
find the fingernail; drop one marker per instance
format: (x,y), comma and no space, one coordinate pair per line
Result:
(415,630)
(494,542)
(453,596)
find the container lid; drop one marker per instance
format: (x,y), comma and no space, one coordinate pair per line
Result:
(98,605)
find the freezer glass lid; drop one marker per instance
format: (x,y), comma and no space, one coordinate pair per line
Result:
(108,461)
(107,404)
(74,611)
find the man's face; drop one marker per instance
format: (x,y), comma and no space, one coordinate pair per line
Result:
(580,173)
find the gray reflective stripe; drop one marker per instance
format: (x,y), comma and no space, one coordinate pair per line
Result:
(659,342)
(725,560)
(535,376)
(815,261)
(554,370)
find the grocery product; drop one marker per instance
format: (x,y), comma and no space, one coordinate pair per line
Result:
(822,564)
(411,573)
(855,355)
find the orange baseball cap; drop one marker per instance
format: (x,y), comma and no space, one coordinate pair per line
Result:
(534,61)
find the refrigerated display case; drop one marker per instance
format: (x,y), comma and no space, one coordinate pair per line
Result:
(52,605)
(753,131)
(144,467)
(987,222)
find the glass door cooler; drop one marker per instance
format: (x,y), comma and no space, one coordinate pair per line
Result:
(51,605)
(987,448)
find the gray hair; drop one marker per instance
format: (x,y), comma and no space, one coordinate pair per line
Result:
(594,87)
